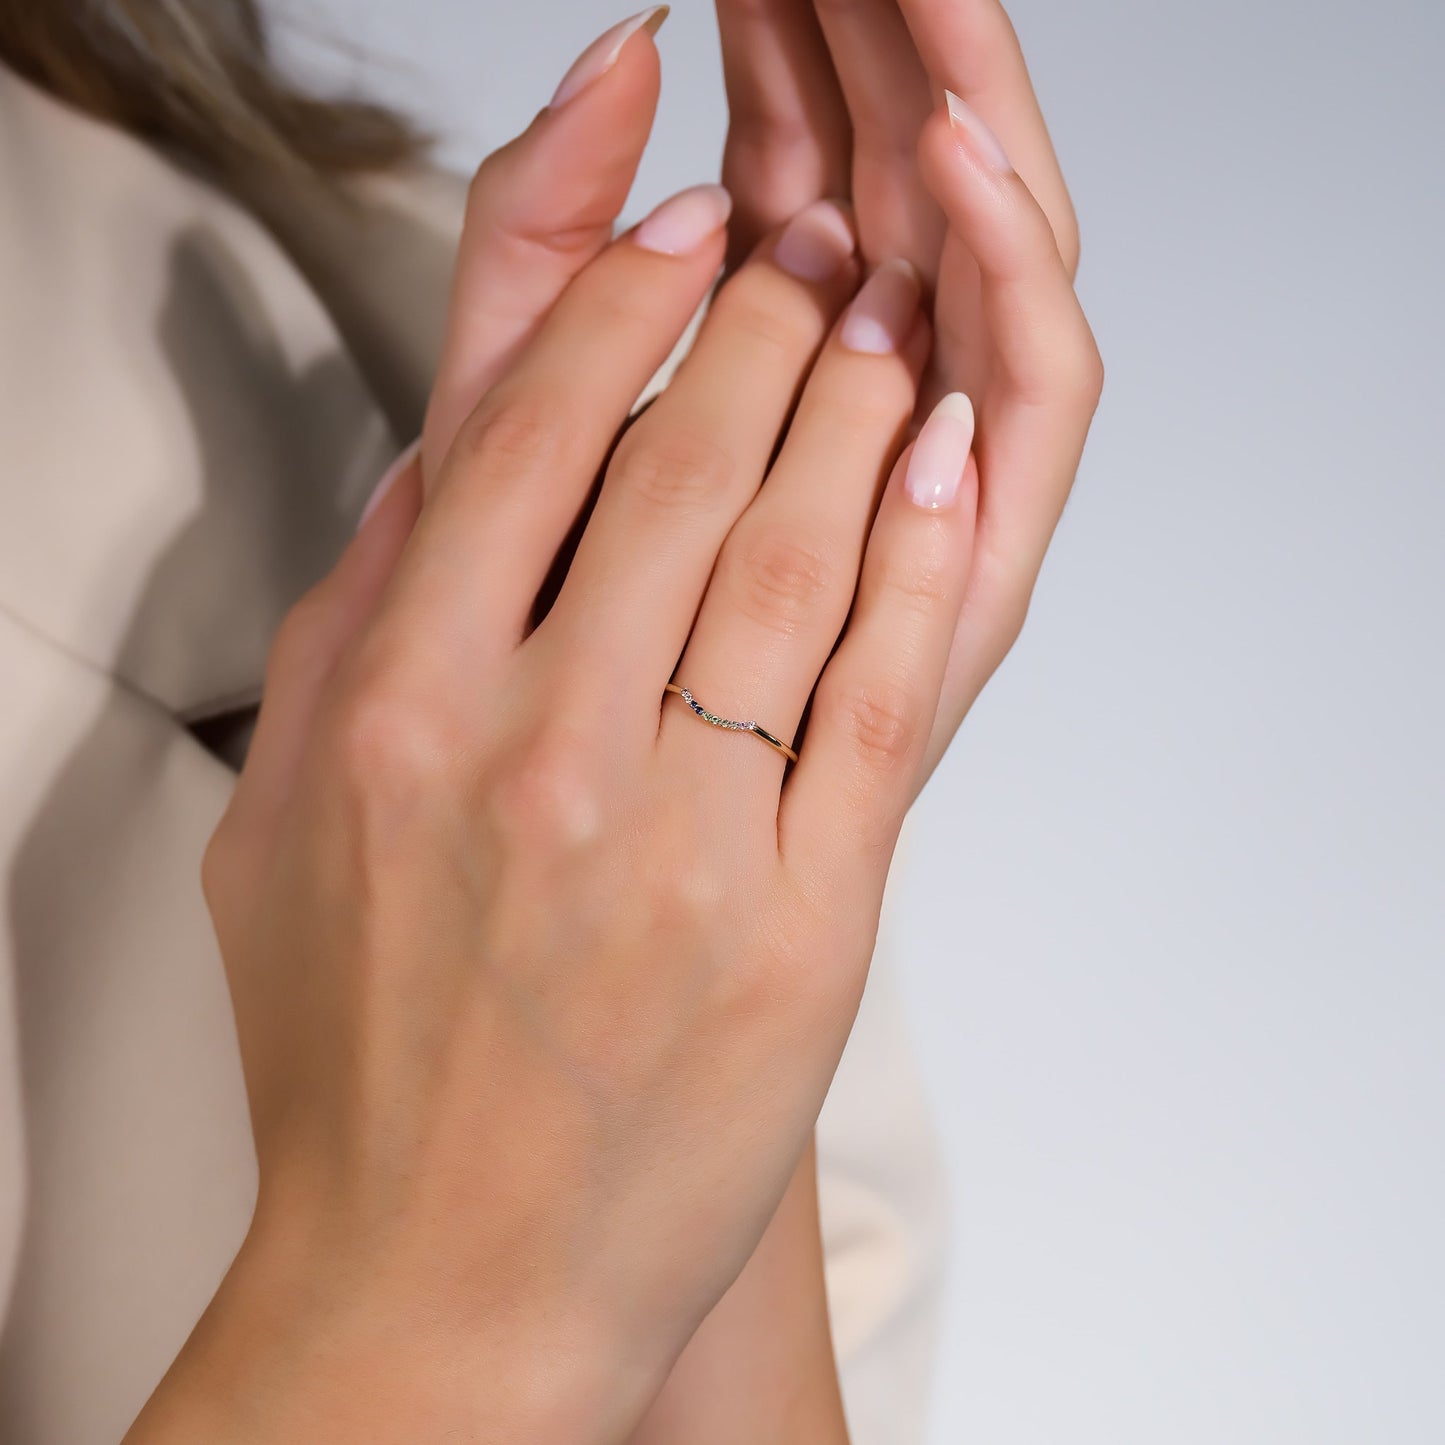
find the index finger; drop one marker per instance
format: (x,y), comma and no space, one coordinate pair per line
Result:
(538,210)
(971,48)
(519,472)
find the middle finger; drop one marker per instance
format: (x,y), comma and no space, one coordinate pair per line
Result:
(692,462)
(786,576)
(886,88)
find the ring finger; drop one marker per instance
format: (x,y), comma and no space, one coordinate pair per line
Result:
(692,463)
(786,576)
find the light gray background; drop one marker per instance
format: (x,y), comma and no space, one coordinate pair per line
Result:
(1172,916)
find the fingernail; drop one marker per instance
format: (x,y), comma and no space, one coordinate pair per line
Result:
(601,55)
(882,313)
(816,242)
(980,139)
(387,482)
(683,223)
(936,466)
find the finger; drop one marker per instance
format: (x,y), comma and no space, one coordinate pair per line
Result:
(786,575)
(1032,314)
(1040,402)
(315,634)
(537,211)
(971,48)
(873,711)
(887,92)
(690,466)
(525,458)
(788,137)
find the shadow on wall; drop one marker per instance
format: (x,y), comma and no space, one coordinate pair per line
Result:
(139,1166)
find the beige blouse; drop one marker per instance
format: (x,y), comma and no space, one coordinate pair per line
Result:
(194,404)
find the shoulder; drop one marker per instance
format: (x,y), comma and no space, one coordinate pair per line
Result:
(185,434)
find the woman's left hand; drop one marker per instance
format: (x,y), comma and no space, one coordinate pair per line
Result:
(539,981)
(847,98)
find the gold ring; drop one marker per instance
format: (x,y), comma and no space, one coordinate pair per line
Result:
(777,744)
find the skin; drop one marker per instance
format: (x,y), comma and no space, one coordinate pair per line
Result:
(532,1190)
(489,1127)
(842,99)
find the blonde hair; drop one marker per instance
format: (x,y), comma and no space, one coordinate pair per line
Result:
(196,75)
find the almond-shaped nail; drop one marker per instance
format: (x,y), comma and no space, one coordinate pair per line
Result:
(816,243)
(387,482)
(682,224)
(882,313)
(601,55)
(978,137)
(940,455)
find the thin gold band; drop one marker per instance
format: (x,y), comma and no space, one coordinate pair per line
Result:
(777,744)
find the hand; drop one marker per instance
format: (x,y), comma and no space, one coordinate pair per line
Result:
(834,99)
(831,97)
(538,210)
(539,980)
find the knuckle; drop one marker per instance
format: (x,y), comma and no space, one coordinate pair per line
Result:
(671,469)
(1092,380)
(885,145)
(686,898)
(1007,574)
(777,579)
(547,794)
(388,748)
(1006,629)
(299,636)
(501,216)
(483,185)
(768,147)
(1070,248)
(868,405)
(919,584)
(771,321)
(515,434)
(880,719)
(218,865)
(639,312)
(1080,368)
(1006,621)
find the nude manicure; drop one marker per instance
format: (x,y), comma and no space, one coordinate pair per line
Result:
(940,455)
(683,223)
(979,138)
(882,313)
(816,243)
(601,55)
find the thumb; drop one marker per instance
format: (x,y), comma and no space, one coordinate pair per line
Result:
(537,211)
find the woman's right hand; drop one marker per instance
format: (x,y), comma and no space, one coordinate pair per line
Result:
(539,980)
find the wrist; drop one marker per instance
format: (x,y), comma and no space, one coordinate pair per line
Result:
(282,1353)
(761,1367)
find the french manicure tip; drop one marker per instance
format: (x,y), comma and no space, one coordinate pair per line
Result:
(940,454)
(682,223)
(603,53)
(981,139)
(957,404)
(881,314)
